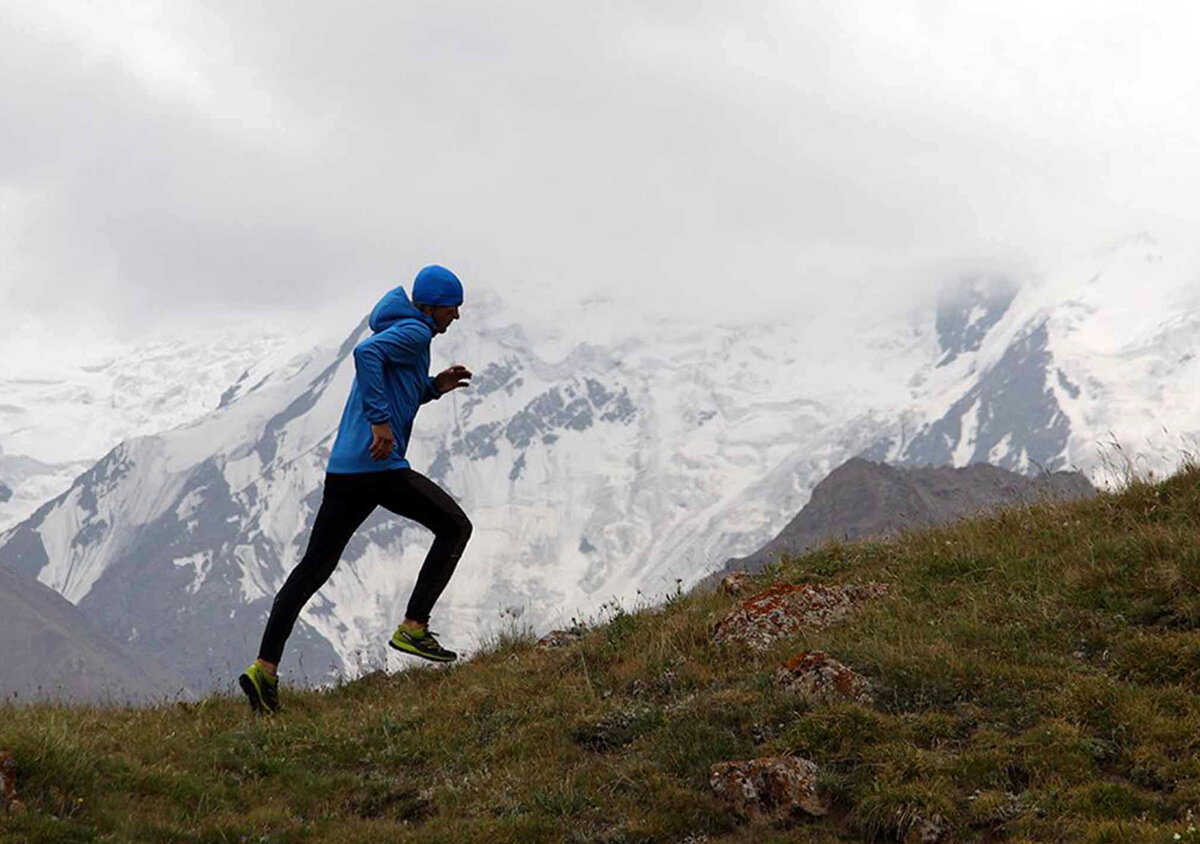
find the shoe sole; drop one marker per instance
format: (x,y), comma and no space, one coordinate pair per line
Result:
(251,692)
(429,657)
(256,701)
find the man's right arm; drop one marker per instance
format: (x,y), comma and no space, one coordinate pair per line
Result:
(370,356)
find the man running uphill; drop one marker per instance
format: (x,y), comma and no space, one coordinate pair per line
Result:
(367,469)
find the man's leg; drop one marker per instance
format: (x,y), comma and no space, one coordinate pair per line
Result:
(410,494)
(347,501)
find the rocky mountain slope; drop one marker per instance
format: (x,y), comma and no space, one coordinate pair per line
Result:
(864,499)
(51,652)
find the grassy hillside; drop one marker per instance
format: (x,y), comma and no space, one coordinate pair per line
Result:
(1037,675)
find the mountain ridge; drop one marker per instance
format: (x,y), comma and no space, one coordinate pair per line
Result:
(52,652)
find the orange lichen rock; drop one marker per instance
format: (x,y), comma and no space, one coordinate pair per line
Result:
(816,676)
(786,608)
(771,788)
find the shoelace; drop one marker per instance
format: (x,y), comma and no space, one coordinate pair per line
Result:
(426,634)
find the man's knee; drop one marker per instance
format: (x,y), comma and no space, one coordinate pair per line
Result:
(460,529)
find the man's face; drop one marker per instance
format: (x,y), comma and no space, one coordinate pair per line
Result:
(442,315)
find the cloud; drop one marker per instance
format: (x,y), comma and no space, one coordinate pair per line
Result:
(183,161)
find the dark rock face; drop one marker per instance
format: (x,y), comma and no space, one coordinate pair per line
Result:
(561,408)
(23,547)
(861,498)
(558,408)
(1013,400)
(1010,417)
(51,651)
(965,317)
(5,493)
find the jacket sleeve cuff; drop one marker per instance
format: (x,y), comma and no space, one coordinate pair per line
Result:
(431,389)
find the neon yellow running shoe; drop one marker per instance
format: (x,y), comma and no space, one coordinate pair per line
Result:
(422,643)
(261,688)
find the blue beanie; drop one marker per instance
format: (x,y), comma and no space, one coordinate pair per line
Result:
(436,285)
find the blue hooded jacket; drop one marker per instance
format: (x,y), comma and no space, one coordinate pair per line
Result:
(391,382)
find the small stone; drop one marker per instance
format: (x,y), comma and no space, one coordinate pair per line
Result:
(680,705)
(615,730)
(560,638)
(786,608)
(662,686)
(925,831)
(771,788)
(736,583)
(762,733)
(816,676)
(8,784)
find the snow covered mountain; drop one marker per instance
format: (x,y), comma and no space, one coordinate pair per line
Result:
(1092,366)
(65,403)
(631,465)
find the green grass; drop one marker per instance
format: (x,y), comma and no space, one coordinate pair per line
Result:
(1037,674)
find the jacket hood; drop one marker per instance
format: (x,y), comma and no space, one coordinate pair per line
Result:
(394,307)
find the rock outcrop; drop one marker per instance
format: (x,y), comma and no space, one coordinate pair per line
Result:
(771,788)
(786,608)
(816,676)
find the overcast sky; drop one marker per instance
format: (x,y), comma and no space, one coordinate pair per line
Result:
(180,161)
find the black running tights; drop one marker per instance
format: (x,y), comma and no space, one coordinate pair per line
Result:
(347,501)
